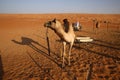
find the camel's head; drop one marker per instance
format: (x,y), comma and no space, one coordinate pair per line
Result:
(52,24)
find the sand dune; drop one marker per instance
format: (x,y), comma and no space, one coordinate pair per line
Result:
(24,52)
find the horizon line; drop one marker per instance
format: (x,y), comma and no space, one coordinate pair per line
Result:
(61,13)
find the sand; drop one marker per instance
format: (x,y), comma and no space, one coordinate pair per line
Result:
(24,51)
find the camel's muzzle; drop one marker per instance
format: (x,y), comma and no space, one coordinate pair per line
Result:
(48,24)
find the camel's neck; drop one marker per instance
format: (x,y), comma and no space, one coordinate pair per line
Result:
(61,32)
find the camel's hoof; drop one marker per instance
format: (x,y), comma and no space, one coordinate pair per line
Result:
(69,65)
(63,65)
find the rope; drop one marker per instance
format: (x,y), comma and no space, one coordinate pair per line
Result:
(48,41)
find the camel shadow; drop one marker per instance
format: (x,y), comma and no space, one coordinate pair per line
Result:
(1,69)
(31,43)
(27,41)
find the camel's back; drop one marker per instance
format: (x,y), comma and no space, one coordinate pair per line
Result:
(67,36)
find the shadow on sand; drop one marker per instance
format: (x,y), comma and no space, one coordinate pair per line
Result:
(108,43)
(30,42)
(111,47)
(1,69)
(99,53)
(46,71)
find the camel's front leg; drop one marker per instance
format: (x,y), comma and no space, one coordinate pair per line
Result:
(71,44)
(64,52)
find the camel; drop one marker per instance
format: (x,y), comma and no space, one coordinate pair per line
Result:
(66,37)
(97,24)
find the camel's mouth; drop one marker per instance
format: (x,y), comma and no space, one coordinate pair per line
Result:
(47,24)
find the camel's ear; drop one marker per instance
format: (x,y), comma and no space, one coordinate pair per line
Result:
(54,20)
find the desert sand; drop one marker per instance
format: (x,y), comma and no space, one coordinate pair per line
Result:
(24,51)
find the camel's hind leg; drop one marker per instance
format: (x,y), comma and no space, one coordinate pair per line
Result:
(71,44)
(64,52)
